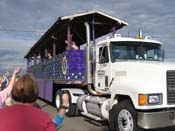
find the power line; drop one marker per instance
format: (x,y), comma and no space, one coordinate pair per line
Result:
(13,30)
(4,64)
(163,36)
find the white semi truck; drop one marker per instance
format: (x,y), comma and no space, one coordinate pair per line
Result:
(122,80)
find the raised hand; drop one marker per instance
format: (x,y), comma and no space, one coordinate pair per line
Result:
(17,69)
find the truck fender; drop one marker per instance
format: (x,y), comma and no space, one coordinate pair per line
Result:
(119,98)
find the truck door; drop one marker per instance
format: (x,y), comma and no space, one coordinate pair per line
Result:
(103,69)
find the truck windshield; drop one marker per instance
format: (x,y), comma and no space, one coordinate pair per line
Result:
(135,51)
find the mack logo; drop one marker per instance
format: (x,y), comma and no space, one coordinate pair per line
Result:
(100,72)
(120,73)
(171,115)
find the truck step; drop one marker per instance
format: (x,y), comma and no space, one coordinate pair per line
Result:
(96,118)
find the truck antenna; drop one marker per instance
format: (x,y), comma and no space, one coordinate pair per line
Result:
(140,33)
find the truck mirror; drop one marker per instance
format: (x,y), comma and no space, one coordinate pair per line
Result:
(163,54)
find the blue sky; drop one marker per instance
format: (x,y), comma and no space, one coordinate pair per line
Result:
(19,17)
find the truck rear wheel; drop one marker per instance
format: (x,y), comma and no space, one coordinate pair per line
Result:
(72,107)
(71,111)
(58,100)
(125,116)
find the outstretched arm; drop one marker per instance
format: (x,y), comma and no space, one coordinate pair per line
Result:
(6,92)
(58,119)
(15,72)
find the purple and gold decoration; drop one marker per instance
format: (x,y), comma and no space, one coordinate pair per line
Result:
(68,66)
(75,65)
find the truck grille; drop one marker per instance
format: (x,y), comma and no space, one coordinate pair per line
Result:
(171,87)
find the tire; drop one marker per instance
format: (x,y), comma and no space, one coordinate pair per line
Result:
(58,98)
(71,111)
(124,117)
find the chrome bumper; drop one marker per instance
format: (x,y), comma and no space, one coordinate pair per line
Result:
(151,120)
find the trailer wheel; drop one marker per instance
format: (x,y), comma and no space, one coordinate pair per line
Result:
(125,117)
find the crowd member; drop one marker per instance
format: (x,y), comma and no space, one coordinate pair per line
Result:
(58,119)
(6,79)
(23,116)
(4,82)
(49,55)
(1,79)
(72,45)
(8,101)
(4,94)
(38,59)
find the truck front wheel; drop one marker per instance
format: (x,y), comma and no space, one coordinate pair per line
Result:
(125,116)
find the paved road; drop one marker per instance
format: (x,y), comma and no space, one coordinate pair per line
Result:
(73,123)
(79,123)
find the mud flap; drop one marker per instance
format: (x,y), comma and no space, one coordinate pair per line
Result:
(111,121)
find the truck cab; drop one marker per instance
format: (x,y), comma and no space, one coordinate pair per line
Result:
(141,84)
(113,51)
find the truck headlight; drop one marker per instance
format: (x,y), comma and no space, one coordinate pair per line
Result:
(154,99)
(149,99)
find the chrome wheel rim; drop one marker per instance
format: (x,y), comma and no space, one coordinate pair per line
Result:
(57,101)
(125,121)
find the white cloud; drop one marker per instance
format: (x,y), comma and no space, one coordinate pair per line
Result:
(12,52)
(156,17)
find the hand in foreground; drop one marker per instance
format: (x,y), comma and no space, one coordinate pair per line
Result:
(65,99)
